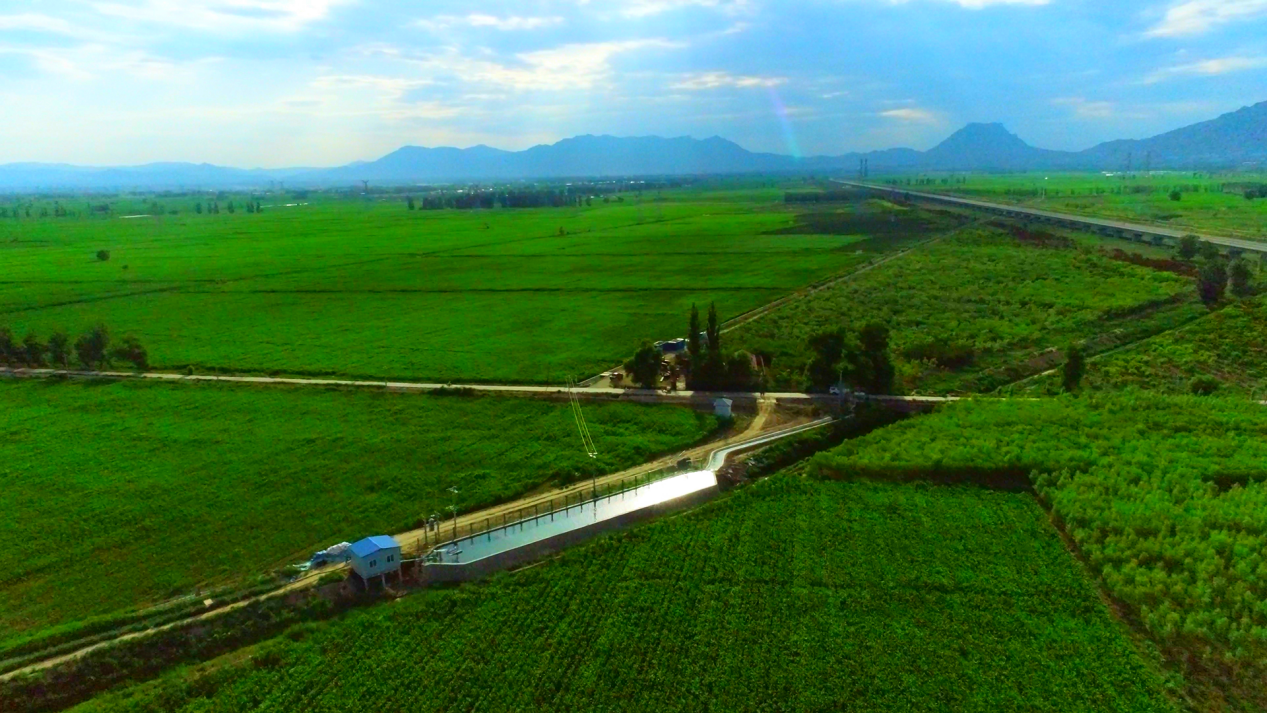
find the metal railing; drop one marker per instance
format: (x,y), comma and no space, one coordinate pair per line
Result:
(446,534)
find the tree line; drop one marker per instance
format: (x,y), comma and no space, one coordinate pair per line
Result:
(487,200)
(92,350)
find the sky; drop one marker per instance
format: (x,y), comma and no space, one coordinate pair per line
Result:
(274,83)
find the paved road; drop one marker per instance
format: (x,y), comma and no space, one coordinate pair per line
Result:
(1130,231)
(683,397)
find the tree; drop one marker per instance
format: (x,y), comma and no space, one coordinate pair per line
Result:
(1241,278)
(59,349)
(1208,251)
(827,367)
(1203,385)
(103,255)
(32,351)
(739,373)
(694,350)
(198,208)
(1212,282)
(876,362)
(258,207)
(132,351)
(230,207)
(1188,245)
(1074,369)
(410,201)
(1176,196)
(644,367)
(714,368)
(8,347)
(93,347)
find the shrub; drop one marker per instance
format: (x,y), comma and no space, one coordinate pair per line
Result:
(1176,196)
(1204,385)
(103,255)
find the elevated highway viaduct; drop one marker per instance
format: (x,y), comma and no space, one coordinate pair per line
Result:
(1157,235)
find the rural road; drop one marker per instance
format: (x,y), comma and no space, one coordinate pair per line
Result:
(1093,224)
(644,395)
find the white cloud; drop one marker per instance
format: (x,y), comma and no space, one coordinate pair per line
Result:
(506,24)
(1195,17)
(90,61)
(911,115)
(573,66)
(1086,109)
(724,80)
(650,8)
(224,15)
(37,22)
(1207,68)
(982,4)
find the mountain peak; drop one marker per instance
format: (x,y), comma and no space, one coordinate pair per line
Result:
(989,146)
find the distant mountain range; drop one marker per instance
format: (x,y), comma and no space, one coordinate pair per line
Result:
(1231,140)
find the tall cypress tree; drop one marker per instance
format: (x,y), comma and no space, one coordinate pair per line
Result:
(693,349)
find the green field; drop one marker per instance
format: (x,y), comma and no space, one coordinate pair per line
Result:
(370,289)
(791,595)
(1006,304)
(1229,345)
(1208,203)
(122,494)
(1166,498)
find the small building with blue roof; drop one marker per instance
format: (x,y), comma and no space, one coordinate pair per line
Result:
(375,556)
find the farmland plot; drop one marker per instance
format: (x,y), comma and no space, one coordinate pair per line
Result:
(792,595)
(1165,496)
(121,494)
(374,290)
(1001,307)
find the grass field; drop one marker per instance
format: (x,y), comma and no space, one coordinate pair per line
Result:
(370,289)
(1165,496)
(121,494)
(1208,203)
(1003,303)
(792,595)
(1229,345)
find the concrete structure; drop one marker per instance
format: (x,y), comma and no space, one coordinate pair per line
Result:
(375,556)
(723,408)
(1157,235)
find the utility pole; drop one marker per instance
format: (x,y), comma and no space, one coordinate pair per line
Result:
(454,509)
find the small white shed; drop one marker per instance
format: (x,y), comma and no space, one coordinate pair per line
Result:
(375,556)
(722,408)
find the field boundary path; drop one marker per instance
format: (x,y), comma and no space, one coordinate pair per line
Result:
(1105,226)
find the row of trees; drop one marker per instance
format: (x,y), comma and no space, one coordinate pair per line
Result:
(92,350)
(213,208)
(487,200)
(1217,275)
(705,365)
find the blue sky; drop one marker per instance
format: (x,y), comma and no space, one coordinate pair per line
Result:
(323,82)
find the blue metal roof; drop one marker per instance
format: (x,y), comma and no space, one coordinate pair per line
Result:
(370,545)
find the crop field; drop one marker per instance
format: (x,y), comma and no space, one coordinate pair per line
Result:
(370,289)
(1208,203)
(791,595)
(121,494)
(1165,496)
(1004,305)
(1228,346)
